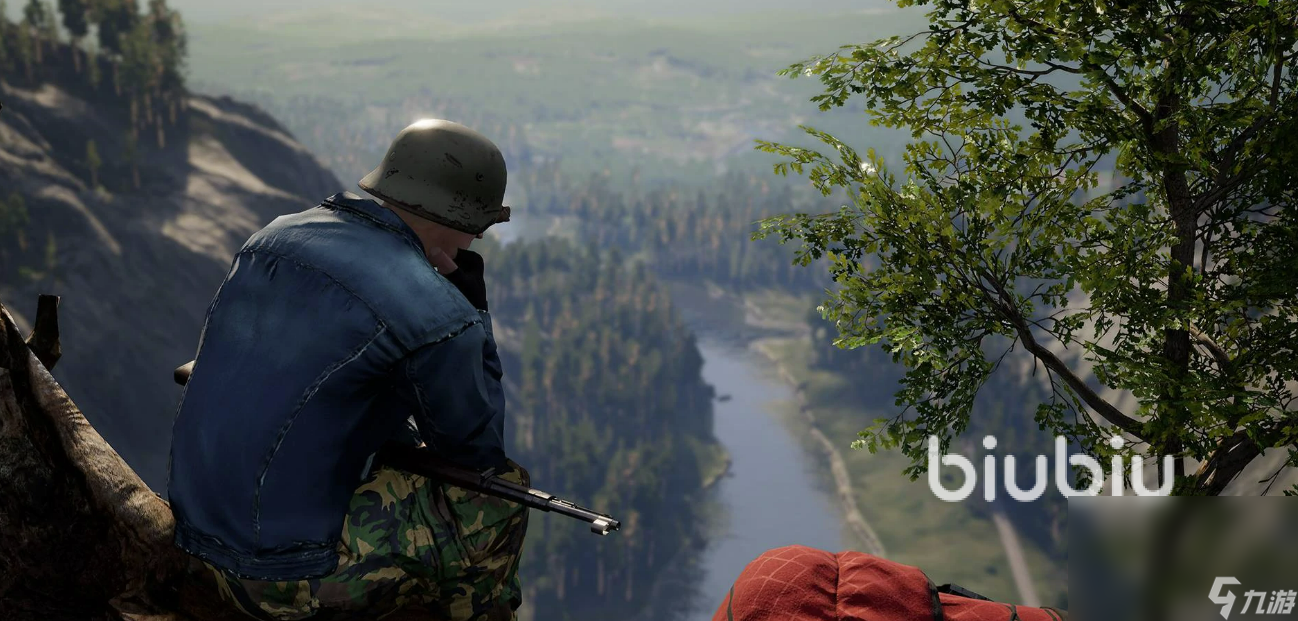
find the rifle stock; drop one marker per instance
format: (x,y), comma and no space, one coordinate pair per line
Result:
(423,462)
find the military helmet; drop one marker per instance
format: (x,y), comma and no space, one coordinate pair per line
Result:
(444,172)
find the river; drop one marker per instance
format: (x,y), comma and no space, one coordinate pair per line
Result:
(775,493)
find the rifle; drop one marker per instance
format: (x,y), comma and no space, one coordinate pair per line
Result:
(423,462)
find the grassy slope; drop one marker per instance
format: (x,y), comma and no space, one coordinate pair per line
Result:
(947,540)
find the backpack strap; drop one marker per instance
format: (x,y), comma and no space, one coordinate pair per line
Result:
(730,605)
(957,590)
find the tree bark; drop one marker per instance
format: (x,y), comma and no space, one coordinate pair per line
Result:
(1233,454)
(1176,343)
(82,535)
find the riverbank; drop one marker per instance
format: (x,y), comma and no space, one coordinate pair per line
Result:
(769,493)
(902,515)
(867,539)
(773,311)
(715,464)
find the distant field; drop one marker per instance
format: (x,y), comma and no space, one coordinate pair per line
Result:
(675,98)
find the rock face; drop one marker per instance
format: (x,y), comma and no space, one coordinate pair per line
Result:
(136,268)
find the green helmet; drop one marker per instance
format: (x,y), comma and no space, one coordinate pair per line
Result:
(444,172)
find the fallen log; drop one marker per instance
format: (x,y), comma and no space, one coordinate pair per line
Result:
(81,535)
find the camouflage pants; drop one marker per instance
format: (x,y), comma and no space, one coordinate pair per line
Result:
(408,543)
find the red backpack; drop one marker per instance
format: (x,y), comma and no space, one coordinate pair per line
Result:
(797,582)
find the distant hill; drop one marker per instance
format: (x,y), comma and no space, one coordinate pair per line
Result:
(468,13)
(675,100)
(136,267)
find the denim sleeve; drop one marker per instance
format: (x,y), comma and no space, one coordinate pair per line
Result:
(460,404)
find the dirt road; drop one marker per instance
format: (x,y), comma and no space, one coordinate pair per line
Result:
(1018,562)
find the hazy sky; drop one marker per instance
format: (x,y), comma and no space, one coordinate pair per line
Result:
(463,12)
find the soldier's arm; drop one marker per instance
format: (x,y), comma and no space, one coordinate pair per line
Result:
(459,403)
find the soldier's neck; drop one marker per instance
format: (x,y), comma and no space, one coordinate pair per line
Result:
(431,234)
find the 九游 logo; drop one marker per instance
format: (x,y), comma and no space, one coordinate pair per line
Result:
(1280,602)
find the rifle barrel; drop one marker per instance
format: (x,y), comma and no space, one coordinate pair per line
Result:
(419,461)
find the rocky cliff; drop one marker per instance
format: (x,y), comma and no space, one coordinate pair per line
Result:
(136,266)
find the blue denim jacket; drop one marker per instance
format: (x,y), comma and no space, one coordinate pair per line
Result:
(329,333)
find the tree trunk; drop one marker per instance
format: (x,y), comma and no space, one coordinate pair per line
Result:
(76,58)
(1176,343)
(1233,454)
(68,502)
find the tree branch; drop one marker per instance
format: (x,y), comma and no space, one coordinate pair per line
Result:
(1217,352)
(1233,454)
(1103,408)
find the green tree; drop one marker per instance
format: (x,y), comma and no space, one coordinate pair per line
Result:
(1178,286)
(93,74)
(13,222)
(172,47)
(34,22)
(51,258)
(49,25)
(76,22)
(139,64)
(115,19)
(93,163)
(26,47)
(5,33)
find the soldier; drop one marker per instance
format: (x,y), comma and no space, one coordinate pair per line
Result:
(334,328)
